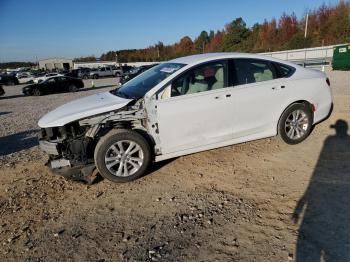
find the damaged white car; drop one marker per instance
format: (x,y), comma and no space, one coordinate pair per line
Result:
(184,106)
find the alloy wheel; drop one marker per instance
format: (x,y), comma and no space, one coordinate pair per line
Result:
(296,124)
(124,158)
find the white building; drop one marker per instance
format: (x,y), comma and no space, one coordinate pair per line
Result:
(56,64)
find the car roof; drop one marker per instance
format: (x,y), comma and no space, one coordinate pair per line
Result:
(196,59)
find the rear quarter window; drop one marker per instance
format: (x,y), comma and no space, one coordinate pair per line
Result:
(284,70)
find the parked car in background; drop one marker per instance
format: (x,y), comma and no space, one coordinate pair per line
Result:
(135,72)
(45,76)
(25,77)
(8,79)
(79,73)
(55,84)
(183,106)
(2,91)
(101,72)
(120,70)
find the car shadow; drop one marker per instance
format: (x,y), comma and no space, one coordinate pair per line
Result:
(324,232)
(10,97)
(4,113)
(17,142)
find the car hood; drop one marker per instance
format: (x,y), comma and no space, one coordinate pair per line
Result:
(82,108)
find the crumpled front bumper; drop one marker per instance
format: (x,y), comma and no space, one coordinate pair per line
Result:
(82,173)
(63,167)
(49,147)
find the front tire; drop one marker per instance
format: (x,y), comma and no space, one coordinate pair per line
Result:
(95,76)
(295,123)
(122,155)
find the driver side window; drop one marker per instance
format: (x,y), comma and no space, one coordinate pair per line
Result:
(203,78)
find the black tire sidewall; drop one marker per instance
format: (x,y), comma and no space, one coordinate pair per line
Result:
(281,126)
(112,137)
(72,88)
(36,92)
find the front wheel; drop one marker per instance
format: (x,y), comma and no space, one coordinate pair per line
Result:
(95,76)
(295,123)
(122,155)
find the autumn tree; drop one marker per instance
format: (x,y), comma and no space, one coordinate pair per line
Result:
(236,32)
(327,25)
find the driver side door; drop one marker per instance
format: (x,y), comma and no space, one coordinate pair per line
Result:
(199,110)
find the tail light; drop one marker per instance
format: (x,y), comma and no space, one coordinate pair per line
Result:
(328,82)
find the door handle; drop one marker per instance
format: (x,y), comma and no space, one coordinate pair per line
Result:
(228,95)
(276,88)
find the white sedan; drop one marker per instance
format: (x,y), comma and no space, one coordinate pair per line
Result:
(44,77)
(181,107)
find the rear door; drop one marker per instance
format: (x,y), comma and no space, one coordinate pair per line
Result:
(198,109)
(102,71)
(62,84)
(50,85)
(258,93)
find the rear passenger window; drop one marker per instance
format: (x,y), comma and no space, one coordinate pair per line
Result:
(253,71)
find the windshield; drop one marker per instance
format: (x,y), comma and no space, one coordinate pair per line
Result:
(140,85)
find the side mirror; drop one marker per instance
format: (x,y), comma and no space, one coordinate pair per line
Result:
(166,93)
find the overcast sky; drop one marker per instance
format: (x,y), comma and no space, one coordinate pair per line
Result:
(68,28)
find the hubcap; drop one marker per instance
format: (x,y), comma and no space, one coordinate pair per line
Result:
(296,124)
(124,158)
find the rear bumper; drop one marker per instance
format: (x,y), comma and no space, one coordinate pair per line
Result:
(323,113)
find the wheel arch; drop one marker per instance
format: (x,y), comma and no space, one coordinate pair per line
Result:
(305,102)
(127,125)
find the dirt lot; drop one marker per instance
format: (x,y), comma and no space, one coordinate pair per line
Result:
(258,201)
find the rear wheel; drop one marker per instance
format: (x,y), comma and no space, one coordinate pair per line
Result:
(72,88)
(122,155)
(95,76)
(36,92)
(295,123)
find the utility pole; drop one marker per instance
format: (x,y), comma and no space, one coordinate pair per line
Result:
(306,24)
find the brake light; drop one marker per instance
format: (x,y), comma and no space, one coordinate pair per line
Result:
(328,82)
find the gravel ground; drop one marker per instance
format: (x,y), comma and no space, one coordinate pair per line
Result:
(257,201)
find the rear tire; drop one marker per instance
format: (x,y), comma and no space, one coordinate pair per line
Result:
(122,155)
(295,123)
(37,92)
(95,76)
(73,88)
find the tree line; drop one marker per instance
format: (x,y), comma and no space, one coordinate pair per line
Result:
(327,25)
